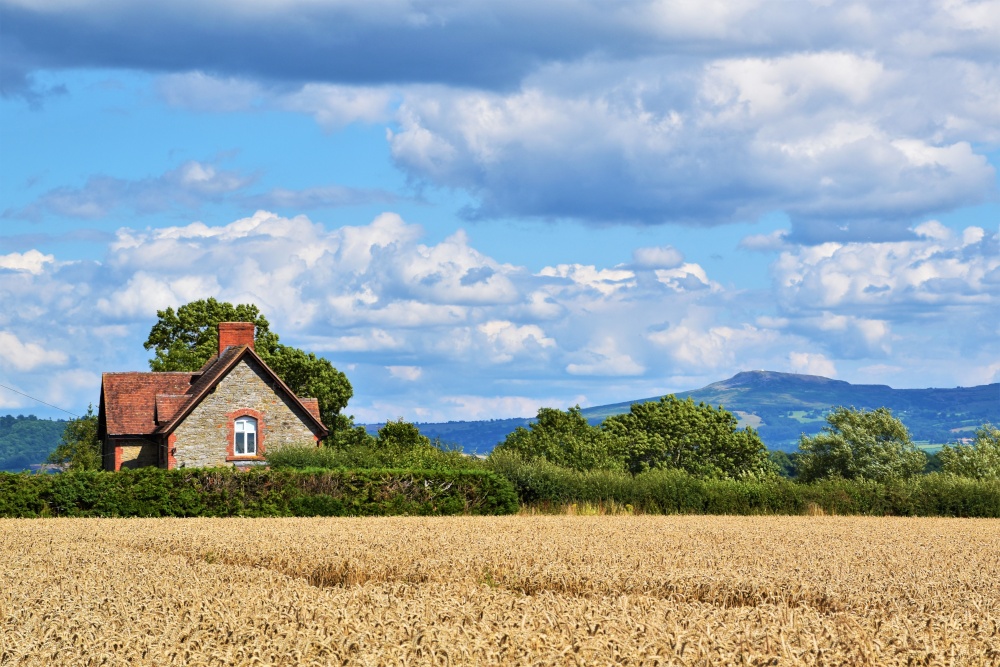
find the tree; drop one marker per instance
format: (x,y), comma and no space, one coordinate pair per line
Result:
(79,448)
(185,339)
(860,444)
(401,436)
(696,438)
(979,460)
(566,439)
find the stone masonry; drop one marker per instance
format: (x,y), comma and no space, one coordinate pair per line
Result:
(203,438)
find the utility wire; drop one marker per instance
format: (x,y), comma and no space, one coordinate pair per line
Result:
(40,401)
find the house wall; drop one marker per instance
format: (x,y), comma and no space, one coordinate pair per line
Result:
(204,437)
(118,453)
(136,454)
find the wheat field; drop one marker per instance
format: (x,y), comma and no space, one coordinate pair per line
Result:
(531,590)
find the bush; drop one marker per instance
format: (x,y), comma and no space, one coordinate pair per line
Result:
(225,492)
(665,491)
(426,457)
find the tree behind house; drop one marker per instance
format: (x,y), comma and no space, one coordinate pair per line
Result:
(183,340)
(79,448)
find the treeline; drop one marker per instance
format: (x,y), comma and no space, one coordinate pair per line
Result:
(672,456)
(26,440)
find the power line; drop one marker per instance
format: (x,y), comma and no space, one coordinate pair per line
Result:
(40,401)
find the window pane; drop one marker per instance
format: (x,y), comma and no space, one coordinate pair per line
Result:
(240,424)
(251,443)
(239,443)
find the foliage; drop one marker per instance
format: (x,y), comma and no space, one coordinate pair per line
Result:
(696,438)
(860,444)
(786,464)
(79,447)
(185,339)
(565,439)
(399,445)
(400,436)
(227,492)
(978,460)
(26,440)
(541,484)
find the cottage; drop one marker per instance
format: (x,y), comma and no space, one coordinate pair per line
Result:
(230,412)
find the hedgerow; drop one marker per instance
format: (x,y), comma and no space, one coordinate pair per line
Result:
(152,492)
(539,483)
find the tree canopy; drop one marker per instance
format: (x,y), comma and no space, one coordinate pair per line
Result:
(183,340)
(979,460)
(566,439)
(79,448)
(860,444)
(696,438)
(669,433)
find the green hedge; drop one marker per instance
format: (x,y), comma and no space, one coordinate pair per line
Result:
(152,492)
(676,492)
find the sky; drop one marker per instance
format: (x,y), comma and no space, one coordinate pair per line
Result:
(476,209)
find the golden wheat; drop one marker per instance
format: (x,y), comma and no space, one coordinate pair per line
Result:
(539,590)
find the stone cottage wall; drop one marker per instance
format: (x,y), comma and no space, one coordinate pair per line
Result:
(203,438)
(133,453)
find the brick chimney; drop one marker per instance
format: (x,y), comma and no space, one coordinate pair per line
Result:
(235,333)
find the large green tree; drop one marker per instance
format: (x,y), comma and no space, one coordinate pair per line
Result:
(860,444)
(566,439)
(697,438)
(79,448)
(979,460)
(183,340)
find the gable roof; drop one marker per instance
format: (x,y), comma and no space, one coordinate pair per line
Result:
(157,402)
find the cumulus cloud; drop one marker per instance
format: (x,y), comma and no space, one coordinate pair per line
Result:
(31,261)
(659,257)
(895,280)
(439,330)
(20,356)
(853,118)
(406,373)
(812,364)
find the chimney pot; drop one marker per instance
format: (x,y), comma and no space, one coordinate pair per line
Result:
(235,333)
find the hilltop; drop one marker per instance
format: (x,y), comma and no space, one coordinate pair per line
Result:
(784,405)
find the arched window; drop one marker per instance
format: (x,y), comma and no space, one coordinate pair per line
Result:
(245,434)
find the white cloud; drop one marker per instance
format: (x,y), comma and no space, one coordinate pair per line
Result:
(508,340)
(604,358)
(604,281)
(21,356)
(660,257)
(437,330)
(939,268)
(406,373)
(692,345)
(31,261)
(811,364)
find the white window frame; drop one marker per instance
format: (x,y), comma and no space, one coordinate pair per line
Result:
(245,426)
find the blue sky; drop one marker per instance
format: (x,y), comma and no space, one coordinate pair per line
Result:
(477,209)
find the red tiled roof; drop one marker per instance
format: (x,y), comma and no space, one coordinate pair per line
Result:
(129,399)
(312,405)
(167,406)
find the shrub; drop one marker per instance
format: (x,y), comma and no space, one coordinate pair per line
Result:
(281,492)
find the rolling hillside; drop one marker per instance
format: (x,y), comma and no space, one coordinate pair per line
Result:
(784,405)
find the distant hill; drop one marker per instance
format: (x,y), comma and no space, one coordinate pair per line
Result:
(781,406)
(784,405)
(25,441)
